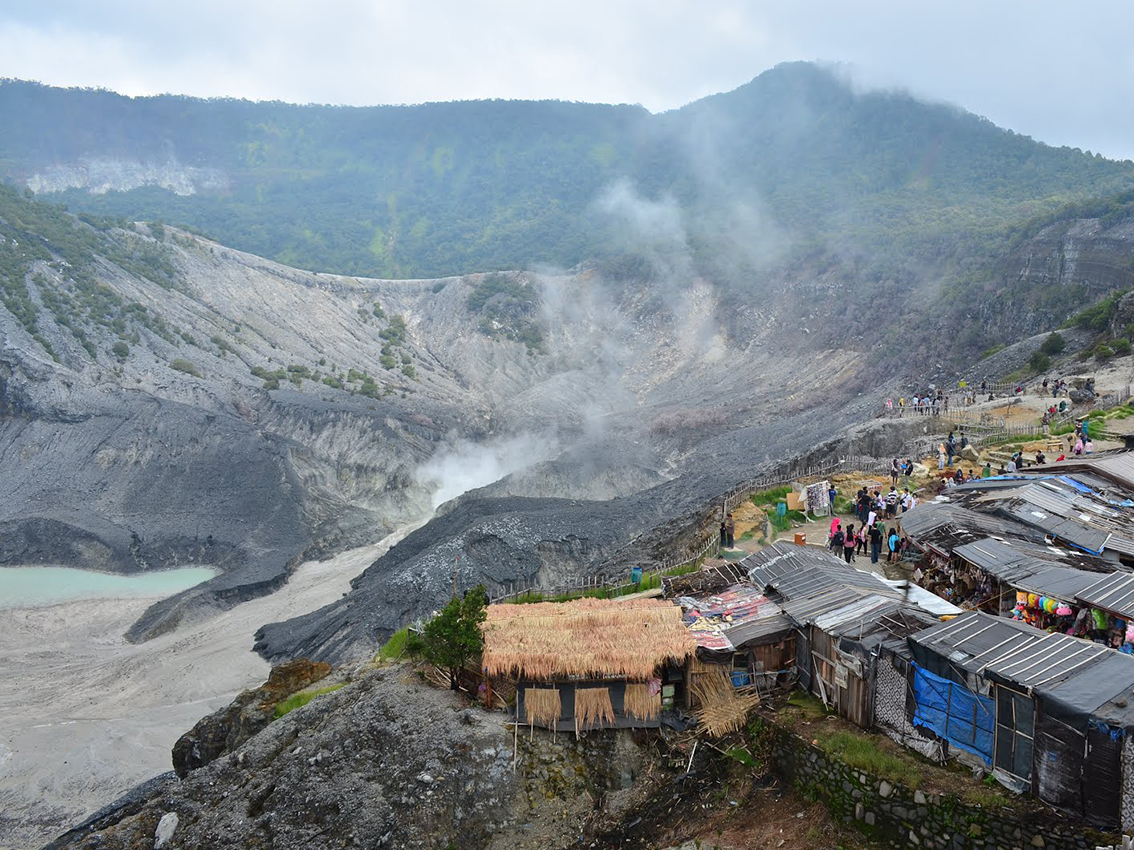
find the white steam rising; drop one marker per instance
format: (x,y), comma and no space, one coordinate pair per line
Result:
(462,465)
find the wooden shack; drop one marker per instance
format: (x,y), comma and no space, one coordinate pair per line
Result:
(590,663)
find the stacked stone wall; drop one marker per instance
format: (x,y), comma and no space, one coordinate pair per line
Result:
(902,818)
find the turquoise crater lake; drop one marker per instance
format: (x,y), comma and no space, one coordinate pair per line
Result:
(35,587)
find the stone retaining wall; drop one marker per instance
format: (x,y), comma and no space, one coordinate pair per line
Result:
(900,818)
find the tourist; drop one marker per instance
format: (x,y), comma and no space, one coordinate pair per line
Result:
(901,407)
(987,471)
(862,539)
(895,471)
(724,534)
(875,543)
(831,494)
(891,503)
(894,543)
(941,457)
(1040,458)
(730,530)
(1088,447)
(849,544)
(1011,464)
(835,535)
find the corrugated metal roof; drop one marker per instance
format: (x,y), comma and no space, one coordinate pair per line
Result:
(1117,467)
(1114,592)
(1077,679)
(802,571)
(805,610)
(974,640)
(1008,560)
(1063,583)
(1013,561)
(1074,532)
(931,516)
(755,630)
(1011,651)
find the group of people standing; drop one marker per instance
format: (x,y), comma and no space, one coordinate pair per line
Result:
(929,404)
(872,509)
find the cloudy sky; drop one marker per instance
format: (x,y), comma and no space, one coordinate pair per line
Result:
(1061,72)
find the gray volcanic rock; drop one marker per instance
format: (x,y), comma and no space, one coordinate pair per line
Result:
(225,730)
(378,763)
(390,762)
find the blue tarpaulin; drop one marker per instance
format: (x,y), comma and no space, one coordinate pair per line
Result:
(955,713)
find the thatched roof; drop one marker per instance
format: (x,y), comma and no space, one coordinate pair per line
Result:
(586,637)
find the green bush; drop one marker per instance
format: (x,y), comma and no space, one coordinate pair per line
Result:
(396,332)
(394,647)
(454,636)
(302,698)
(186,367)
(378,311)
(120,350)
(1054,344)
(1120,346)
(1039,361)
(409,371)
(996,349)
(1104,352)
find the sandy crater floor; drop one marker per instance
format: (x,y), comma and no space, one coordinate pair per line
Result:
(87,715)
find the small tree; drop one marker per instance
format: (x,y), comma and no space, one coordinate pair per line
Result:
(1054,344)
(454,636)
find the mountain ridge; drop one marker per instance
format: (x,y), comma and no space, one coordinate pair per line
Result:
(425,191)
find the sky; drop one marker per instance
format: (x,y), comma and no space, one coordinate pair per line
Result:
(1061,73)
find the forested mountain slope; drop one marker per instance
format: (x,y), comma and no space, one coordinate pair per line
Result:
(793,163)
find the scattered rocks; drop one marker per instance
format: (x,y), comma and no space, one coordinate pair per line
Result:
(165,829)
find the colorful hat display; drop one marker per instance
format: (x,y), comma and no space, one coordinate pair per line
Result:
(1064,610)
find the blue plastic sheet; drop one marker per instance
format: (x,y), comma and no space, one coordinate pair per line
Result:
(964,719)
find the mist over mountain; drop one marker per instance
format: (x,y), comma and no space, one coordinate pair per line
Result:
(796,161)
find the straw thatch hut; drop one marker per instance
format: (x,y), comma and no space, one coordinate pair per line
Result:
(590,663)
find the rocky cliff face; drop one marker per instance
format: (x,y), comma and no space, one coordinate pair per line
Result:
(1065,267)
(99,175)
(384,762)
(239,413)
(235,412)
